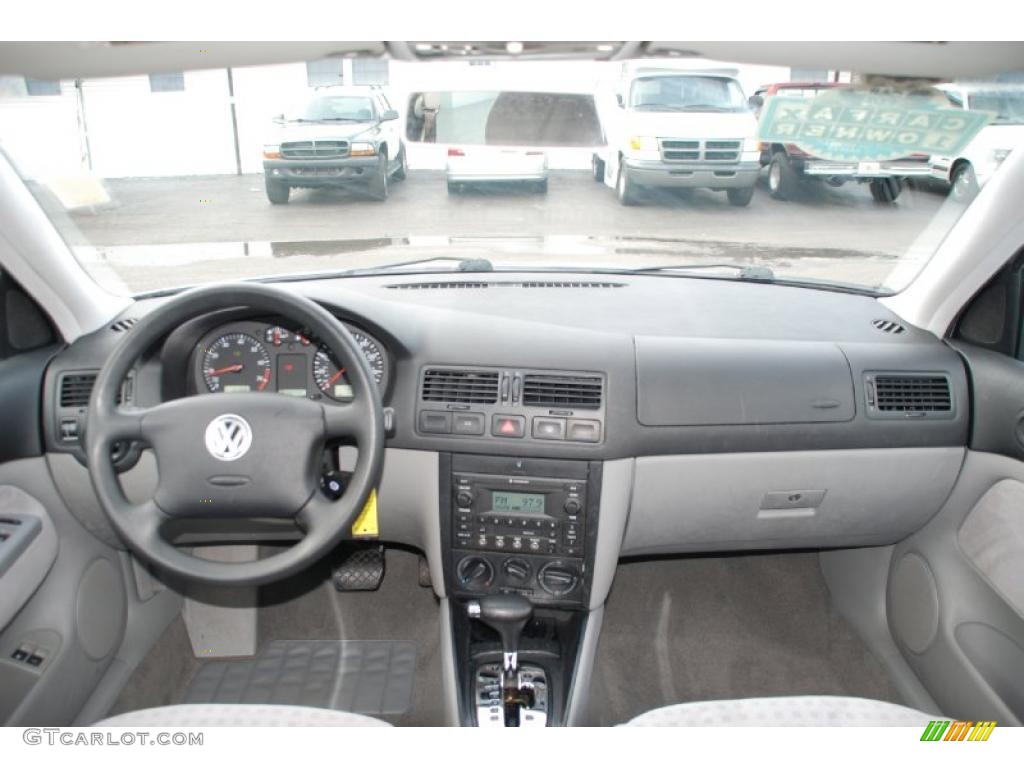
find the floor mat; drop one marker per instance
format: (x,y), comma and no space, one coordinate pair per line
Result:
(371,677)
(724,627)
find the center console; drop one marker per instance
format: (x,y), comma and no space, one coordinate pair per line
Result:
(527,528)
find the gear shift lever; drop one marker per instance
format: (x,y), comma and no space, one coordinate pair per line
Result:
(506,615)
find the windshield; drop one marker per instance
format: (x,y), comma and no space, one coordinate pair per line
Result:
(663,93)
(354,108)
(169,179)
(1007,104)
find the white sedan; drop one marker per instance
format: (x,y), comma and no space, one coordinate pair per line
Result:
(487,165)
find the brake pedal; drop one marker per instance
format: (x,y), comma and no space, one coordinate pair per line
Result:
(361,570)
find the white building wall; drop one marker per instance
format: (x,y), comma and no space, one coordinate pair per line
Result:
(134,132)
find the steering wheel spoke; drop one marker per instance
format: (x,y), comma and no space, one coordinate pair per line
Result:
(346,420)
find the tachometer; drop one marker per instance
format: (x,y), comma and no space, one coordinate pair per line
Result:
(236,362)
(331,378)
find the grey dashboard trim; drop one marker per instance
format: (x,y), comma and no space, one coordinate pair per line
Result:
(28,569)
(724,501)
(616,492)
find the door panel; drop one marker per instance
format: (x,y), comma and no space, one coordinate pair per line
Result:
(955,597)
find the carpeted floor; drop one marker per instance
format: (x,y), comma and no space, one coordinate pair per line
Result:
(723,627)
(307,607)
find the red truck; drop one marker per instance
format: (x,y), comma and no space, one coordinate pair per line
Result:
(789,166)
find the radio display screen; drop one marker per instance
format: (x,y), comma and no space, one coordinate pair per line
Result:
(522,503)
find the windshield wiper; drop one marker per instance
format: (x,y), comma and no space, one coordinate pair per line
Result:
(462,265)
(744,271)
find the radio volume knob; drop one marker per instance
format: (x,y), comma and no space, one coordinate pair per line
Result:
(571,507)
(464,498)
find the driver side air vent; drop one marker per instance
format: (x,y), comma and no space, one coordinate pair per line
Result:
(441,385)
(75,389)
(888,326)
(898,395)
(544,391)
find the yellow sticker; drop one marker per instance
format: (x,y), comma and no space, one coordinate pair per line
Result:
(365,525)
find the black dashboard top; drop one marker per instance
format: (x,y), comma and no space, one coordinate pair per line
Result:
(595,356)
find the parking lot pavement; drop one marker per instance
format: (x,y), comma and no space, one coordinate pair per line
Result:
(234,210)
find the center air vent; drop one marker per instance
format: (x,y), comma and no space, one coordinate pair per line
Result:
(75,389)
(545,391)
(442,385)
(909,394)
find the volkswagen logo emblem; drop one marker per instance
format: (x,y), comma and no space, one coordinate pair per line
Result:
(228,437)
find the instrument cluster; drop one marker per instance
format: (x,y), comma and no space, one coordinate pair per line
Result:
(253,356)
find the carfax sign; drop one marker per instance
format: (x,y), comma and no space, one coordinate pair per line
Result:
(859,125)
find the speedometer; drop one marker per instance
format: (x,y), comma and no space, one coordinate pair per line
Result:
(236,362)
(332,379)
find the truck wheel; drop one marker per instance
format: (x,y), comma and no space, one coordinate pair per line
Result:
(963,183)
(740,196)
(278,192)
(625,189)
(379,180)
(885,190)
(597,166)
(782,179)
(403,168)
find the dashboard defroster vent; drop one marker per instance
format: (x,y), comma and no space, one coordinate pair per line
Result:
(441,385)
(120,326)
(546,391)
(888,326)
(462,284)
(900,394)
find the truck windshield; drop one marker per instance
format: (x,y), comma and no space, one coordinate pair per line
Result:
(670,93)
(1007,104)
(336,108)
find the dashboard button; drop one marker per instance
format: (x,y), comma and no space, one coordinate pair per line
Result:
(436,422)
(584,430)
(549,429)
(508,426)
(468,424)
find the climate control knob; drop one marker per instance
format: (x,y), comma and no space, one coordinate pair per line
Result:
(517,571)
(558,579)
(474,572)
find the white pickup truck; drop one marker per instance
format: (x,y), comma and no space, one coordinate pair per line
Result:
(670,127)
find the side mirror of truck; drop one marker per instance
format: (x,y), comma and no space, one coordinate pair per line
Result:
(755,102)
(619,100)
(389,114)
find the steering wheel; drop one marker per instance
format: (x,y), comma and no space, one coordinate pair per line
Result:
(246,455)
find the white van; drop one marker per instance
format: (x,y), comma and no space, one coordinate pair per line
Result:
(672,127)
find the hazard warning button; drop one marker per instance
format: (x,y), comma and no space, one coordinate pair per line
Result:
(508,426)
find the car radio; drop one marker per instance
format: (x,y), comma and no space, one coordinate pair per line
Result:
(519,525)
(538,515)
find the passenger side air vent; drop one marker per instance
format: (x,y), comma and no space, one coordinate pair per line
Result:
(120,326)
(75,389)
(900,395)
(545,391)
(888,326)
(442,385)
